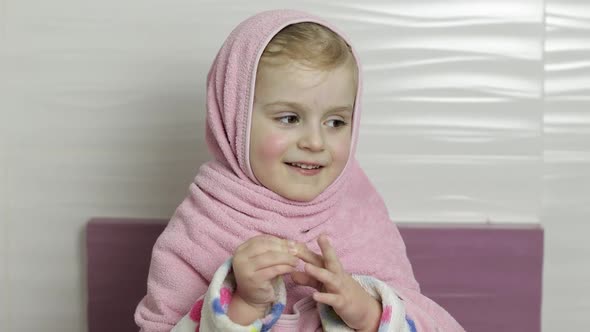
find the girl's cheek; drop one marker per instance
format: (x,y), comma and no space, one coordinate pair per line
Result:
(272,146)
(342,149)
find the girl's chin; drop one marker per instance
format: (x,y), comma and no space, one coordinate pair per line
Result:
(301,196)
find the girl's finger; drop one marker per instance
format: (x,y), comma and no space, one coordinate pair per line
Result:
(270,258)
(263,243)
(333,300)
(308,256)
(272,272)
(304,279)
(331,260)
(324,276)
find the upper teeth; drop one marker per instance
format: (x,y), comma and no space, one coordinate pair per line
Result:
(305,166)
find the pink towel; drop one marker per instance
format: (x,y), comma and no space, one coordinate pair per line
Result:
(226,205)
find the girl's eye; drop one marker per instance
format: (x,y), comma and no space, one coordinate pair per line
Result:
(288,119)
(336,123)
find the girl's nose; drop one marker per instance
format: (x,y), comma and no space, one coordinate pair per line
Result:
(312,139)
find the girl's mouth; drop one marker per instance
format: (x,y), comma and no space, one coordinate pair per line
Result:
(304,165)
(305,169)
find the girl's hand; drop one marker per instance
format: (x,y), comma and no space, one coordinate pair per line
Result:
(336,287)
(256,263)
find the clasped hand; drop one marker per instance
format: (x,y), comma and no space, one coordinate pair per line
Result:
(264,257)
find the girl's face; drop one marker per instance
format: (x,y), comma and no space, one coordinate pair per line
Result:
(301,119)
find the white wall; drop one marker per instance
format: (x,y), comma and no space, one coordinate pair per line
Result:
(466,119)
(566,174)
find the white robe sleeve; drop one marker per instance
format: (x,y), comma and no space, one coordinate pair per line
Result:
(209,313)
(393,317)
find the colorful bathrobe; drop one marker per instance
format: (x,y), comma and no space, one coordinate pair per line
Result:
(190,282)
(209,313)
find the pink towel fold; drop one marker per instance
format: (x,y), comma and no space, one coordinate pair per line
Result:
(226,205)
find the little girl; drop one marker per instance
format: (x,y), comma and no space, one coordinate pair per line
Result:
(283,231)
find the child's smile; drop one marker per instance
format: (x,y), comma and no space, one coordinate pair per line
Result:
(307,169)
(301,127)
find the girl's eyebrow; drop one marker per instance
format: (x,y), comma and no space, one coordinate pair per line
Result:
(343,108)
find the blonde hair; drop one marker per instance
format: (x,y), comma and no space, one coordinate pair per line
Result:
(311,44)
